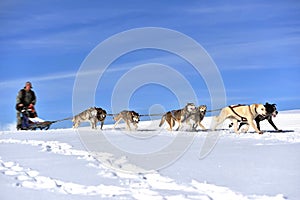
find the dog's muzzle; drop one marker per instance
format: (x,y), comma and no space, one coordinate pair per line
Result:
(136,119)
(192,109)
(274,113)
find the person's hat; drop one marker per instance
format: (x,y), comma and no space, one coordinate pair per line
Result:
(28,82)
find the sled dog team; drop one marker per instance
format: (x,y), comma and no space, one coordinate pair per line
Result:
(94,115)
(240,116)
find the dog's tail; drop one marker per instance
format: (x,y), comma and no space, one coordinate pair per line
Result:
(162,121)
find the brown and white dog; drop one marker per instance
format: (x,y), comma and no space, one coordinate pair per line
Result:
(92,115)
(129,117)
(199,116)
(178,116)
(240,113)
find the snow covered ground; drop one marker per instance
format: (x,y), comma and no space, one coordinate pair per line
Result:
(55,164)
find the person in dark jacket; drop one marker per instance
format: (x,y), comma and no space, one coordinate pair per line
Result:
(26,99)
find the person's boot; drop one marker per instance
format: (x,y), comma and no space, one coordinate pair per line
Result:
(19,126)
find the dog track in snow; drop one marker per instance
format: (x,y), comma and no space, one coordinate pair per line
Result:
(29,178)
(137,186)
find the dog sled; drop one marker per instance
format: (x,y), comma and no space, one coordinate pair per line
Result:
(30,120)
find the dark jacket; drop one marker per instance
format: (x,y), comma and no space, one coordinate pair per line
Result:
(26,98)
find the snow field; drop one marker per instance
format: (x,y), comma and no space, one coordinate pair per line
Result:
(54,163)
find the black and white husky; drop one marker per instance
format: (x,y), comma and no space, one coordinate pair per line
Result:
(92,115)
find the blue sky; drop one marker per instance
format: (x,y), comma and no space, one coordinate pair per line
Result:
(255,45)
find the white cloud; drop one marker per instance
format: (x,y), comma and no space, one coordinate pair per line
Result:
(17,82)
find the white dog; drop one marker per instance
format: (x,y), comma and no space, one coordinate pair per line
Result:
(244,113)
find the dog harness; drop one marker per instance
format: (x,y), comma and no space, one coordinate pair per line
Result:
(232,108)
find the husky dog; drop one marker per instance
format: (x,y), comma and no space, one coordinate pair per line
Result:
(240,113)
(178,116)
(197,117)
(271,112)
(101,115)
(128,117)
(92,114)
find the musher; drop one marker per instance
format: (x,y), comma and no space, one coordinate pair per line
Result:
(26,99)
